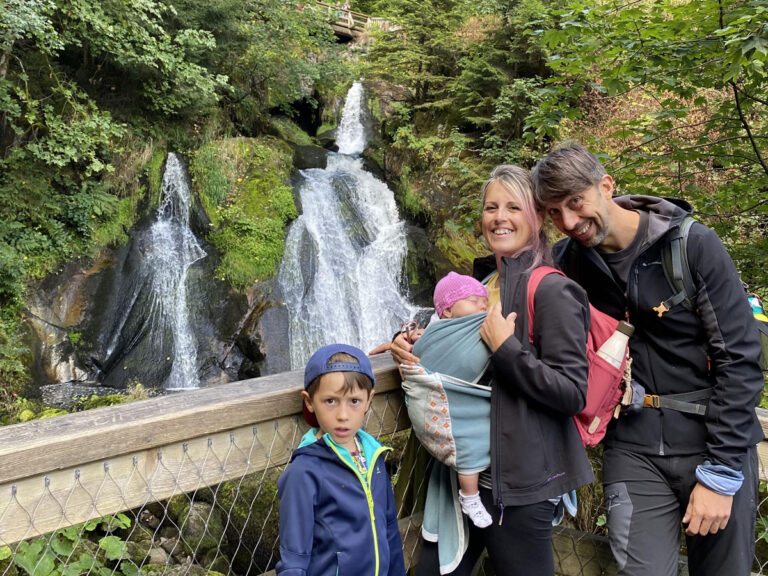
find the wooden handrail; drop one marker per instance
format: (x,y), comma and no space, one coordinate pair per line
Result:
(40,446)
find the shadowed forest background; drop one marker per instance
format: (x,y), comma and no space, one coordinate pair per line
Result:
(670,93)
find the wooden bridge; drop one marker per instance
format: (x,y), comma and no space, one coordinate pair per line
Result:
(352,25)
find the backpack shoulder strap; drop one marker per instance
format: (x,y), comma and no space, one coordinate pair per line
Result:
(674,255)
(533,283)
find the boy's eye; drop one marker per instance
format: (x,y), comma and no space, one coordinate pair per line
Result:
(355,401)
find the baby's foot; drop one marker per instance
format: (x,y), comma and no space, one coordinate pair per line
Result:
(474,509)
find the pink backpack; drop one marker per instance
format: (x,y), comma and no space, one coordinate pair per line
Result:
(605,385)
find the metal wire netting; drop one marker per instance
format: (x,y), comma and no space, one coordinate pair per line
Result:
(209,505)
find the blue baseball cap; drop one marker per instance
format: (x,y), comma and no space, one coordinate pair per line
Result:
(319,364)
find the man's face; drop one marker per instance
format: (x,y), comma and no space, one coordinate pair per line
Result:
(586,215)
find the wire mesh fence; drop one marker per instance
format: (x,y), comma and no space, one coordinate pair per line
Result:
(186,484)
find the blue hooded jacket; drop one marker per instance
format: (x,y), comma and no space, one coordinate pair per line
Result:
(334,521)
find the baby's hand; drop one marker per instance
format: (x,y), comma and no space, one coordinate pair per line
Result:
(495,328)
(401,348)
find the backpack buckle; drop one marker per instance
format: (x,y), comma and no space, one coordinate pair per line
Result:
(651,401)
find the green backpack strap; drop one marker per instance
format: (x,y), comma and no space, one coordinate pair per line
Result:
(674,255)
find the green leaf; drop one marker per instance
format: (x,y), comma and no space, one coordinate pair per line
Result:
(113,546)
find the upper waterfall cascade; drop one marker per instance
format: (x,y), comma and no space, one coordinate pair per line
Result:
(341,273)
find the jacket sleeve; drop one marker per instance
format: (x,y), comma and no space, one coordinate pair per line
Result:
(555,374)
(733,346)
(396,561)
(297,492)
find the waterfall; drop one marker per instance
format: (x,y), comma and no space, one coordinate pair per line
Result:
(350,136)
(341,273)
(169,249)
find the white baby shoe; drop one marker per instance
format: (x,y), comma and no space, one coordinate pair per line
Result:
(474,509)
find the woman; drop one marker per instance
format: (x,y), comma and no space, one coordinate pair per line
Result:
(536,388)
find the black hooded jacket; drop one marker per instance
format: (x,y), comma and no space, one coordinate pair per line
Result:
(536,452)
(714,346)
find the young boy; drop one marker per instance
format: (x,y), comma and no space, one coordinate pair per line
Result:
(337,509)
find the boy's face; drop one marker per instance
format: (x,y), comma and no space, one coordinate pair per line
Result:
(466,306)
(339,413)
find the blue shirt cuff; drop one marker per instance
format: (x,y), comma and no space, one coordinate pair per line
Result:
(719,478)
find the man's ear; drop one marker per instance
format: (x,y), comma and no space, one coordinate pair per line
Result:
(606,186)
(307,401)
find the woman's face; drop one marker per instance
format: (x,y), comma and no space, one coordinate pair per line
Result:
(505,228)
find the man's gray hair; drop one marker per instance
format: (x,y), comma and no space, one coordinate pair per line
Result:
(563,172)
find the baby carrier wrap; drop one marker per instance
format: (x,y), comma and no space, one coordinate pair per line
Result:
(450,412)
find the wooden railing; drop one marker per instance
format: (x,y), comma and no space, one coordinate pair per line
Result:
(352,24)
(66,470)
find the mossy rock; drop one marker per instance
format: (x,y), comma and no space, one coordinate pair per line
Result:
(26,415)
(7,567)
(244,186)
(176,570)
(96,401)
(177,507)
(202,529)
(137,533)
(253,521)
(51,412)
(217,562)
(138,552)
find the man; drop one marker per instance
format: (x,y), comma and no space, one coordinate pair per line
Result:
(664,465)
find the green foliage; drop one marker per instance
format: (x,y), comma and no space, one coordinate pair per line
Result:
(290,132)
(66,552)
(243,188)
(691,76)
(272,53)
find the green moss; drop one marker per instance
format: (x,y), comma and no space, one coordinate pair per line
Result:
(25,415)
(458,246)
(290,132)
(243,186)
(326,126)
(154,173)
(412,203)
(51,412)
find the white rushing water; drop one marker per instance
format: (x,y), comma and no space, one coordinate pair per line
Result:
(173,249)
(341,273)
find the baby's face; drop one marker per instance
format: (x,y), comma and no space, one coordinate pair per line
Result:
(466,306)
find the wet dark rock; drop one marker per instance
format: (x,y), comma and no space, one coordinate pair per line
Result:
(308,156)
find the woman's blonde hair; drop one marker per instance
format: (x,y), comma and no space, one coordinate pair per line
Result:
(517,181)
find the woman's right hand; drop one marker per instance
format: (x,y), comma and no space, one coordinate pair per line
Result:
(402,347)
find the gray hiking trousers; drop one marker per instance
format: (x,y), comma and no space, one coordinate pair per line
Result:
(645,500)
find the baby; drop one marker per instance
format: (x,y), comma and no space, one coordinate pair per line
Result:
(455,409)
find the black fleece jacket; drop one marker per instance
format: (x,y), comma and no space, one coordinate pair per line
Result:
(715,346)
(536,452)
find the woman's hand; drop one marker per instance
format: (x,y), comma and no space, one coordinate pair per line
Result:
(402,346)
(496,329)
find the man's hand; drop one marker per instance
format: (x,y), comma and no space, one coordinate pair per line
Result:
(496,329)
(403,345)
(707,511)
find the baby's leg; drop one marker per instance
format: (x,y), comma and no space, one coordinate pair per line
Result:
(469,498)
(469,484)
